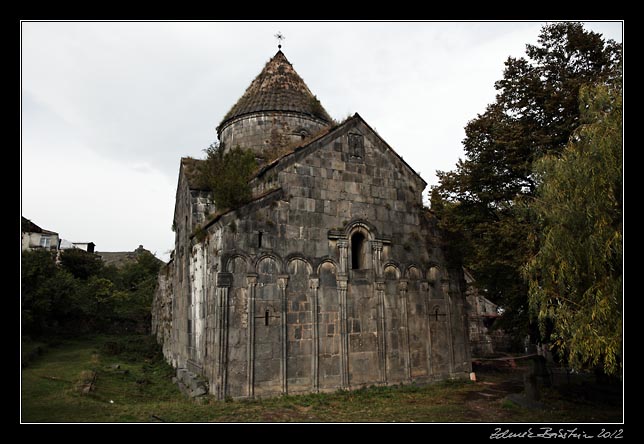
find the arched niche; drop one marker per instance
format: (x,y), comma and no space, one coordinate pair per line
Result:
(434,275)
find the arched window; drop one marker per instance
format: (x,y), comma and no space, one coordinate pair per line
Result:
(358,243)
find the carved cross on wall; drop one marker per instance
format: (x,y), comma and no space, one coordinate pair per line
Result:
(436,314)
(267,316)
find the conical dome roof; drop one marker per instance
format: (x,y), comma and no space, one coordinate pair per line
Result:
(277,88)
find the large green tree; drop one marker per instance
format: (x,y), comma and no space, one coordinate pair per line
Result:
(49,294)
(535,112)
(80,263)
(575,279)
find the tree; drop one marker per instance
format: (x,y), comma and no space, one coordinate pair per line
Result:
(535,112)
(135,288)
(80,263)
(48,294)
(575,279)
(226,173)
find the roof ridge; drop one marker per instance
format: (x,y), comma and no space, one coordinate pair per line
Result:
(325,132)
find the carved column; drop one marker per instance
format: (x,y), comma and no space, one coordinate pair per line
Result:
(224,282)
(344,336)
(424,289)
(402,287)
(376,248)
(343,247)
(282,281)
(382,342)
(448,309)
(314,285)
(251,280)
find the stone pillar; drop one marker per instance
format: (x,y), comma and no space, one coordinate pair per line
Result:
(376,248)
(314,285)
(424,289)
(251,280)
(343,246)
(282,281)
(344,334)
(382,343)
(402,288)
(224,282)
(448,309)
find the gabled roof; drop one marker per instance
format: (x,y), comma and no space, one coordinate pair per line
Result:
(331,133)
(189,165)
(277,88)
(28,226)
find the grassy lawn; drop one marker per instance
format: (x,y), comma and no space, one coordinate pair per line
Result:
(133,384)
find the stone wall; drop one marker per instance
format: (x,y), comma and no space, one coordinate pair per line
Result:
(268,132)
(333,278)
(484,340)
(162,311)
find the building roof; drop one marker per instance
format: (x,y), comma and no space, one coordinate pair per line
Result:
(277,88)
(350,122)
(121,258)
(27,226)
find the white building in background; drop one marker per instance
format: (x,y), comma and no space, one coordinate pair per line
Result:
(86,246)
(33,237)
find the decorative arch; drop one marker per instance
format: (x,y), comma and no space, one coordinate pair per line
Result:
(434,275)
(413,273)
(325,260)
(364,226)
(391,271)
(232,263)
(295,260)
(269,257)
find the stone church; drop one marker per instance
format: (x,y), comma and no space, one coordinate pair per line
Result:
(333,275)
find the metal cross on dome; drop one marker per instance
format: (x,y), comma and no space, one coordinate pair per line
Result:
(279,36)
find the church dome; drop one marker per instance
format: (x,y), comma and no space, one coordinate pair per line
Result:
(276,110)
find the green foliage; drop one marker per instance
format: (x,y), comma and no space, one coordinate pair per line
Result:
(200,233)
(535,113)
(83,295)
(316,107)
(576,276)
(135,290)
(48,293)
(226,173)
(80,263)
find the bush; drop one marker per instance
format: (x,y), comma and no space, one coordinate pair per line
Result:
(227,173)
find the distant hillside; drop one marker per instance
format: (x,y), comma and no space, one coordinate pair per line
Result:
(120,258)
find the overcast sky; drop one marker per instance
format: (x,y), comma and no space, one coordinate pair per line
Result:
(109,108)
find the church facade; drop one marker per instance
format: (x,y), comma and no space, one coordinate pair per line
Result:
(332,276)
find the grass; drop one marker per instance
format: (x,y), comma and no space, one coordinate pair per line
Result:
(131,383)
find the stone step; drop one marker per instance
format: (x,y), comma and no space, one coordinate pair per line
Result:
(190,384)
